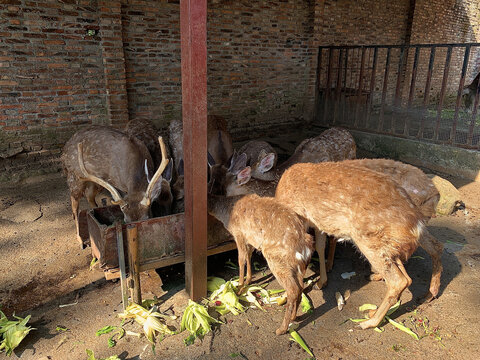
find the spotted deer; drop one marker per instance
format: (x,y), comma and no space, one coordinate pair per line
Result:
(261,157)
(423,195)
(363,206)
(102,157)
(145,131)
(334,144)
(281,235)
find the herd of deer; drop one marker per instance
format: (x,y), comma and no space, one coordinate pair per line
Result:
(285,211)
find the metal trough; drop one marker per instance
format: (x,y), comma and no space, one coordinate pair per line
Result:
(161,241)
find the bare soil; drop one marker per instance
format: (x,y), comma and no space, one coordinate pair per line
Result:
(42,267)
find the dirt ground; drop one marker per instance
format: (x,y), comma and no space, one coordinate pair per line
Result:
(42,268)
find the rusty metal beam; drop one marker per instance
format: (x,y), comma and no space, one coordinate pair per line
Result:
(193,34)
(459,94)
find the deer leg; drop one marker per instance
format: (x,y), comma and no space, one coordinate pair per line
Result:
(332,243)
(242,254)
(320,240)
(434,248)
(396,282)
(75,207)
(249,265)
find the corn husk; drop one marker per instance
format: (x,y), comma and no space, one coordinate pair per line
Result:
(91,356)
(196,320)
(306,305)
(149,319)
(12,332)
(298,339)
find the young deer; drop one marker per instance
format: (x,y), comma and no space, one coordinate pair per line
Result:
(261,157)
(280,234)
(423,194)
(363,206)
(334,144)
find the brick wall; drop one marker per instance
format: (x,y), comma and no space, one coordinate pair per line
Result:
(69,63)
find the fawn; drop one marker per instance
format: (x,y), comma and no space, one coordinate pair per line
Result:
(281,235)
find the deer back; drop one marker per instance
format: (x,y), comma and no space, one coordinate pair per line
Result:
(334,144)
(354,203)
(414,181)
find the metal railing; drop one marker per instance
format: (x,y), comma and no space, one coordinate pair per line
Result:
(414,91)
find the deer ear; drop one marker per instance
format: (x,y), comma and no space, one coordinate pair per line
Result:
(168,172)
(267,162)
(180,168)
(244,176)
(239,162)
(157,189)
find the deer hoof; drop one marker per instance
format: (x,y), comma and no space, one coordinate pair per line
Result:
(376,277)
(280,331)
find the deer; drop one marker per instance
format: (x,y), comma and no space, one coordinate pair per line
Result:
(261,157)
(263,224)
(363,206)
(334,144)
(145,131)
(219,148)
(469,92)
(102,157)
(423,195)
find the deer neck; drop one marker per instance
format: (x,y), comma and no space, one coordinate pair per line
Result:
(221,207)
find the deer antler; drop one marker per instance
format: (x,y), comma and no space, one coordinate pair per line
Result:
(116,196)
(158,174)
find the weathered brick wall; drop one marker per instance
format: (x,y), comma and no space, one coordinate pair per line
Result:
(51,78)
(65,64)
(260,61)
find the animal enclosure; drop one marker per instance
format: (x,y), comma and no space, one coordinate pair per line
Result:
(414,91)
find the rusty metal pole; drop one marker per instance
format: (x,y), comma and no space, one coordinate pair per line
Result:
(193,31)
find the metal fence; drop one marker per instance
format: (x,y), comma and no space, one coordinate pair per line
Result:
(416,91)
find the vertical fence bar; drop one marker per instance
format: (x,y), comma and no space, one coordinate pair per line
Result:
(338,87)
(414,77)
(459,93)
(329,84)
(372,86)
(427,90)
(474,117)
(318,81)
(412,89)
(384,90)
(398,86)
(360,86)
(442,91)
(344,93)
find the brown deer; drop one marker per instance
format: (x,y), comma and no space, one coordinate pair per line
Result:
(261,157)
(101,156)
(334,144)
(361,205)
(280,234)
(423,194)
(219,148)
(145,131)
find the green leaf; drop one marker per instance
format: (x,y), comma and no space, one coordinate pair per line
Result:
(394,308)
(90,354)
(298,339)
(105,330)
(214,283)
(60,328)
(403,328)
(93,262)
(366,307)
(189,340)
